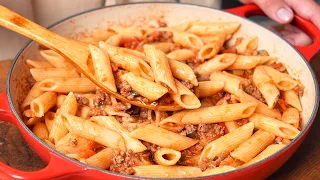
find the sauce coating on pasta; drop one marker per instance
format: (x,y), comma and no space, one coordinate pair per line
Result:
(240,104)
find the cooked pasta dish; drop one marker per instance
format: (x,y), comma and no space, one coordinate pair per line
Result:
(239,104)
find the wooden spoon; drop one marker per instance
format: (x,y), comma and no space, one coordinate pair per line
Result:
(76,52)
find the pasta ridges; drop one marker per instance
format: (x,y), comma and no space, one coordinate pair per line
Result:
(228,142)
(187,40)
(274,126)
(185,98)
(182,71)
(173,123)
(163,137)
(160,67)
(247,45)
(222,113)
(43,103)
(210,49)
(283,81)
(216,64)
(210,28)
(145,87)
(265,86)
(94,132)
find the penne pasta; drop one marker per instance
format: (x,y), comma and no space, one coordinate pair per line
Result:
(127,61)
(166,157)
(58,129)
(102,160)
(292,98)
(114,40)
(158,117)
(28,113)
(190,161)
(211,49)
(209,88)
(274,126)
(40,105)
(34,92)
(173,122)
(218,63)
(187,40)
(249,62)
(217,170)
(160,67)
(269,151)
(243,81)
(181,27)
(135,53)
(283,81)
(208,39)
(163,46)
(111,123)
(97,36)
(185,98)
(49,120)
(253,146)
(183,72)
(112,112)
(126,31)
(238,72)
(264,84)
(94,132)
(222,113)
(163,137)
(66,85)
(102,68)
(160,171)
(46,73)
(227,87)
(60,100)
(213,28)
(231,126)
(33,121)
(181,55)
(83,112)
(56,59)
(38,64)
(261,107)
(72,143)
(231,84)
(234,99)
(291,116)
(40,130)
(248,45)
(49,143)
(145,87)
(228,142)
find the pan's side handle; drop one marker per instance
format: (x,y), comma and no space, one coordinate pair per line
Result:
(305,25)
(57,165)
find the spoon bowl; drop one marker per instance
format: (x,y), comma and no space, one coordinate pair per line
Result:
(78,55)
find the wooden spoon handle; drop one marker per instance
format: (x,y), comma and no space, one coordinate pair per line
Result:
(76,52)
(25,27)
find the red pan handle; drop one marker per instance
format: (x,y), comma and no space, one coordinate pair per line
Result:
(305,25)
(57,165)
